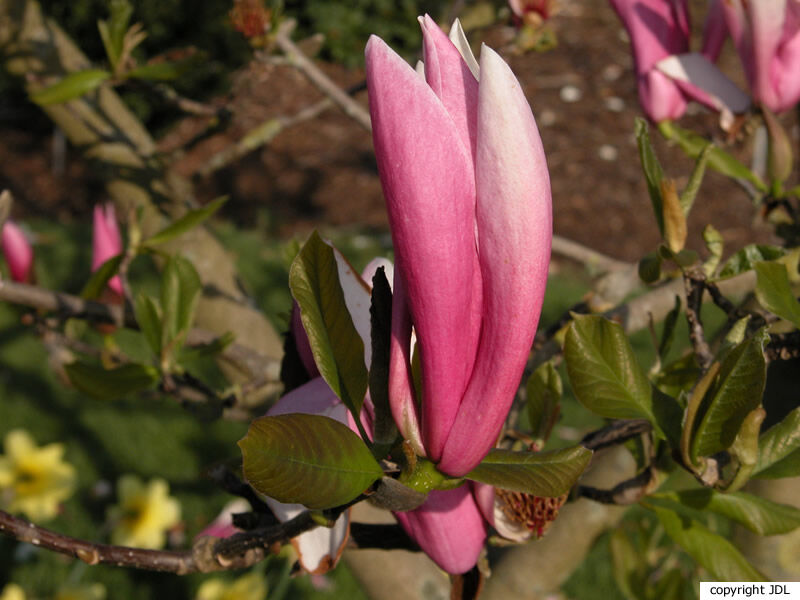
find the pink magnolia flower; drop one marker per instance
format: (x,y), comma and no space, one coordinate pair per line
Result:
(468,196)
(448,527)
(106,241)
(18,252)
(767,37)
(667,74)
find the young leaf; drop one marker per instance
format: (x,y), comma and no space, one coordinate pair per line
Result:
(159,71)
(711,551)
(543,390)
(307,459)
(774,291)
(338,349)
(736,392)
(715,245)
(100,278)
(603,370)
(149,320)
(652,170)
(747,257)
(191,219)
(759,515)
(694,145)
(70,87)
(695,179)
(109,384)
(779,442)
(549,474)
(180,291)
(675,228)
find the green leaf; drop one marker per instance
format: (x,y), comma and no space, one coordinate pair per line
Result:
(149,320)
(70,87)
(774,291)
(100,278)
(715,245)
(548,474)
(789,466)
(543,390)
(385,430)
(191,219)
(693,145)
(695,179)
(160,71)
(602,367)
(204,351)
(108,384)
(113,30)
(180,292)
(759,515)
(338,349)
(779,442)
(307,459)
(746,258)
(711,551)
(736,392)
(652,170)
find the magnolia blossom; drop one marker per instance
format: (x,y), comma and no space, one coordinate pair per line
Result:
(468,196)
(106,241)
(767,37)
(34,480)
(18,252)
(144,513)
(448,526)
(667,74)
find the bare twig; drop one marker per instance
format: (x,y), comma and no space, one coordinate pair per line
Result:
(586,256)
(614,433)
(626,492)
(694,282)
(299,60)
(152,560)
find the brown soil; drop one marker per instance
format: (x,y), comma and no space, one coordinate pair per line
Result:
(323,171)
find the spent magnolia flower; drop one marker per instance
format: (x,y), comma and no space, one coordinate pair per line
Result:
(18,252)
(12,591)
(667,74)
(144,513)
(533,12)
(252,586)
(34,480)
(106,241)
(468,195)
(766,34)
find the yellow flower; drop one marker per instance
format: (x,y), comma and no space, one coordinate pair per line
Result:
(85,591)
(143,514)
(12,592)
(252,586)
(34,480)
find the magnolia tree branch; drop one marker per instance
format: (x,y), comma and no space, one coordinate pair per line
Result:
(264,378)
(307,67)
(124,154)
(264,133)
